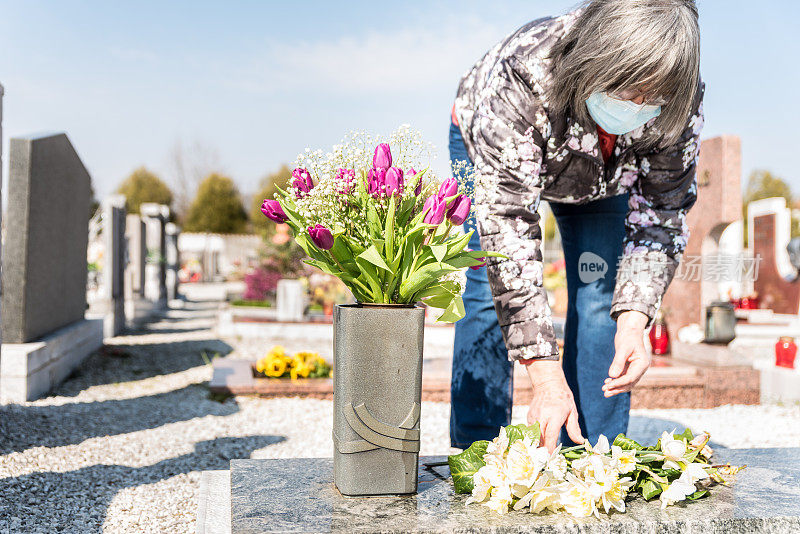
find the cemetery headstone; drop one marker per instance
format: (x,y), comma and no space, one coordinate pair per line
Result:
(719,203)
(45,334)
(136,234)
(114,264)
(156,217)
(777,283)
(290,301)
(173,260)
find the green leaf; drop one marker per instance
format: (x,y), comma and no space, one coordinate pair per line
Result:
(442,300)
(324,267)
(374,257)
(699,494)
(456,246)
(626,443)
(517,432)
(649,489)
(422,278)
(439,251)
(370,273)
(466,464)
(454,311)
(461,261)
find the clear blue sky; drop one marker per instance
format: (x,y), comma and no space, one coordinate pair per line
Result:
(259,81)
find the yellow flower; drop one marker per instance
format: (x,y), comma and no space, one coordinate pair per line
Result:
(300,367)
(272,366)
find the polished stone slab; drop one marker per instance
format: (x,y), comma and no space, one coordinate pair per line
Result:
(297,495)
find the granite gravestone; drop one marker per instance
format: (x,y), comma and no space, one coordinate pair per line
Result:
(173,260)
(45,333)
(777,283)
(136,234)
(44,258)
(297,495)
(114,264)
(719,203)
(155,217)
(1,211)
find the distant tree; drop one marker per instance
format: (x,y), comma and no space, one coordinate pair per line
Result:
(189,164)
(217,208)
(261,225)
(763,184)
(144,186)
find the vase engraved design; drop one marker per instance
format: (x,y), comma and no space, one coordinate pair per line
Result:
(377,397)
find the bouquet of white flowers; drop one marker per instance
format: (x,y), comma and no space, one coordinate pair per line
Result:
(513,472)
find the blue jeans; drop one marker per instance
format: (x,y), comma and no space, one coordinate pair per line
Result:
(481,390)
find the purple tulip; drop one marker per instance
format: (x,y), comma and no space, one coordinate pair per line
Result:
(394,181)
(302,182)
(459,210)
(383,157)
(448,188)
(321,236)
(376,181)
(346,179)
(273,210)
(434,210)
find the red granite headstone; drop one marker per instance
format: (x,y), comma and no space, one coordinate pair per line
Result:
(774,291)
(719,203)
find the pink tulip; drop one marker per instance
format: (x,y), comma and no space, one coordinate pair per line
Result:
(434,210)
(448,188)
(393,182)
(321,236)
(459,210)
(302,182)
(376,181)
(273,210)
(383,157)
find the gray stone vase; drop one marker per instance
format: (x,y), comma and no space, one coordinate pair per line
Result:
(377,390)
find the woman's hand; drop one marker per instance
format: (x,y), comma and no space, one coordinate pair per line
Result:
(631,359)
(552,405)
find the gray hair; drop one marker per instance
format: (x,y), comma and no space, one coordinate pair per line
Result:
(626,44)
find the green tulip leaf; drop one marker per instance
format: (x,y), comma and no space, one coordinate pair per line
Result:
(439,251)
(454,312)
(649,489)
(374,257)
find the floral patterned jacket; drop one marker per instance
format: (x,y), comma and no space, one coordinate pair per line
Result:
(524,153)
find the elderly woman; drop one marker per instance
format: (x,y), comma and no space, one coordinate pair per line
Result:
(598,112)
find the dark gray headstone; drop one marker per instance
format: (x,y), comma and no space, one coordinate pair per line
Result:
(298,495)
(44,257)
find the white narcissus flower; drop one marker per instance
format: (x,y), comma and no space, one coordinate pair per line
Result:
(525,461)
(579,500)
(557,464)
(626,460)
(701,440)
(677,491)
(499,500)
(483,480)
(674,451)
(544,495)
(696,471)
(499,445)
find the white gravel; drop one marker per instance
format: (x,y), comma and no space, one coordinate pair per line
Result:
(119,447)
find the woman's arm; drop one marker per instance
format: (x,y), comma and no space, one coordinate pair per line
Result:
(507,141)
(656,236)
(508,132)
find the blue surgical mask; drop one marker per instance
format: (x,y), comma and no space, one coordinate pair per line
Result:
(617,116)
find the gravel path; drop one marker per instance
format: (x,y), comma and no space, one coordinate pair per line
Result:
(119,447)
